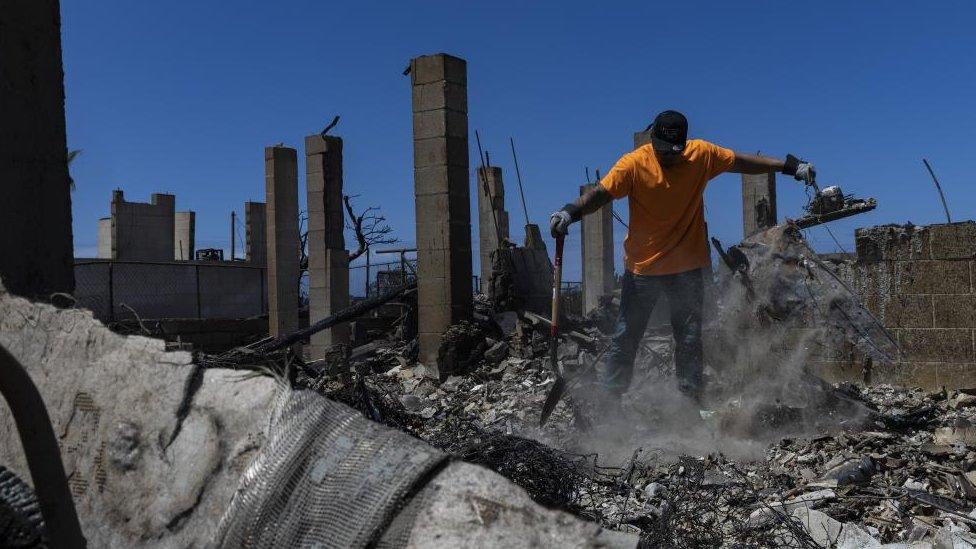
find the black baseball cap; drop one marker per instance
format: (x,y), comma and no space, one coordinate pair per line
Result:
(669,132)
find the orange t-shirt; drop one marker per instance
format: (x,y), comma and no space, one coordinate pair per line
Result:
(667,218)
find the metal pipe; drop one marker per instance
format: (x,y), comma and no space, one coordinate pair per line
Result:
(41,451)
(484,183)
(518,175)
(939,188)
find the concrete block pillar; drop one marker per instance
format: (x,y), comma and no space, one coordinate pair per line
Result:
(255,233)
(597,237)
(328,261)
(491,210)
(533,238)
(441,189)
(281,189)
(758,202)
(36,252)
(185,235)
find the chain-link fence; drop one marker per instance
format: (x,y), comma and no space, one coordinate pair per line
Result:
(119,290)
(368,278)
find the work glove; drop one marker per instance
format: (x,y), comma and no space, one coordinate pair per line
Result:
(799,169)
(560,221)
(806,172)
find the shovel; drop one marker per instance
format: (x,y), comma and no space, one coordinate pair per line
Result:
(559,387)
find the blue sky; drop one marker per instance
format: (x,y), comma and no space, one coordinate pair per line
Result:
(182,96)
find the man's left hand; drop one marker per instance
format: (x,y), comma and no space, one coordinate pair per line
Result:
(806,172)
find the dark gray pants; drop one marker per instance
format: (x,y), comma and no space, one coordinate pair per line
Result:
(638,296)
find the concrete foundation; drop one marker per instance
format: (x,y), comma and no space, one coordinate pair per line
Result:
(597,247)
(328,260)
(281,185)
(256,233)
(35,242)
(440,132)
(185,235)
(758,202)
(492,218)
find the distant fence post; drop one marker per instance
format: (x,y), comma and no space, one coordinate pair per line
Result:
(367,272)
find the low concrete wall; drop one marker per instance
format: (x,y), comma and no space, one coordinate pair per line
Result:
(920,282)
(156,290)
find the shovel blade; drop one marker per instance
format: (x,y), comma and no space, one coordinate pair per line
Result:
(552,399)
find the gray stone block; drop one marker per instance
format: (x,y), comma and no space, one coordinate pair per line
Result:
(440,151)
(440,123)
(436,67)
(440,95)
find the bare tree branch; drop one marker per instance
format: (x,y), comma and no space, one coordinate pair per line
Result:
(370,229)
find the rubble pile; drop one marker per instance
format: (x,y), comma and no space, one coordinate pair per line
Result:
(904,473)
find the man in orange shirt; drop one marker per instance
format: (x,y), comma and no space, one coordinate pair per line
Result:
(666,249)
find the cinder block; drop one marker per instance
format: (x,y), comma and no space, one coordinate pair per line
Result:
(932,277)
(874,278)
(433,318)
(314,163)
(440,123)
(891,242)
(955,311)
(440,66)
(440,151)
(315,144)
(439,179)
(434,235)
(435,291)
(953,240)
(902,311)
(936,344)
(440,95)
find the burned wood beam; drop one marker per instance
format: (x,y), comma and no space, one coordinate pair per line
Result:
(345,315)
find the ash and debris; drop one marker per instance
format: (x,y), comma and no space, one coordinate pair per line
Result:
(780,459)
(903,472)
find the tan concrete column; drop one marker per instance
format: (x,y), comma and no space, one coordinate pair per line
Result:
(328,260)
(491,210)
(255,233)
(185,235)
(441,188)
(281,186)
(758,202)
(597,247)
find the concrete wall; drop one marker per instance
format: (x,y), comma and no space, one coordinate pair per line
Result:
(184,237)
(255,226)
(35,241)
(921,283)
(142,231)
(173,289)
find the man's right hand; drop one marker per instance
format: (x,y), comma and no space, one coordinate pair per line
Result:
(559,223)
